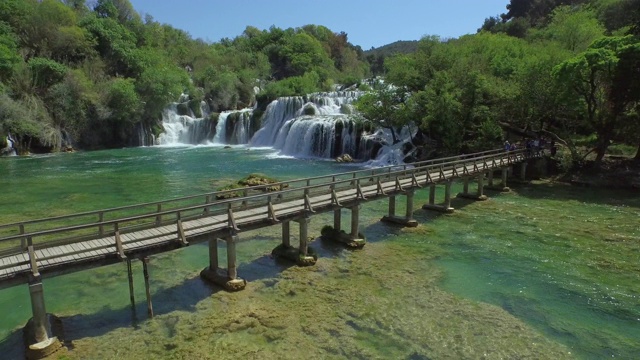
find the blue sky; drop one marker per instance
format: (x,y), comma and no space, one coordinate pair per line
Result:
(367,22)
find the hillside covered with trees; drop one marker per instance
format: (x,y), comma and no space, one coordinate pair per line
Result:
(568,70)
(94,76)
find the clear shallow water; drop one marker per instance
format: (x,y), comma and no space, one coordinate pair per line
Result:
(543,272)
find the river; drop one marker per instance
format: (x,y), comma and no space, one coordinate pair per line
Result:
(545,271)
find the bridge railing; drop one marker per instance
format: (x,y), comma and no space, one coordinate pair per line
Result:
(80,227)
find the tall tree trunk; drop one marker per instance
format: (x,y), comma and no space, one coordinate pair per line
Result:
(601,149)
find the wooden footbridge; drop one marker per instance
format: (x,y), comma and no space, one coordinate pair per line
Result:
(56,245)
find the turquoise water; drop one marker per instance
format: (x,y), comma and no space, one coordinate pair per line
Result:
(547,271)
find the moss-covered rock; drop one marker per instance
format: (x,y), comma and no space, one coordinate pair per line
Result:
(182,109)
(309,110)
(194,105)
(250,181)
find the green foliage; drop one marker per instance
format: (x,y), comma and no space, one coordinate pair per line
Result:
(9,56)
(308,83)
(575,29)
(386,108)
(46,72)
(123,101)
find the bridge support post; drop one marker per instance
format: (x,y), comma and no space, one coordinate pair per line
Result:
(337,219)
(145,270)
(407,220)
(392,206)
(303,255)
(447,196)
(286,233)
(38,333)
(503,185)
(446,206)
(504,179)
(479,193)
(355,220)
(130,277)
(227,279)
(523,171)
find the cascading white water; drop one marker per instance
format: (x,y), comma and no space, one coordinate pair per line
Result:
(176,127)
(190,130)
(306,126)
(240,121)
(9,150)
(316,125)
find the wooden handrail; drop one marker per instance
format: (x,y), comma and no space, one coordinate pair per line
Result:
(403,172)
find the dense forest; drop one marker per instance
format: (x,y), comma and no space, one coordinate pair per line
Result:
(568,70)
(96,75)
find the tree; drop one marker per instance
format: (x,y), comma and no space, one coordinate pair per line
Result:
(385,108)
(9,56)
(591,76)
(575,29)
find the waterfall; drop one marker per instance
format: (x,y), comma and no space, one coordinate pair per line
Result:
(316,125)
(9,150)
(234,127)
(183,127)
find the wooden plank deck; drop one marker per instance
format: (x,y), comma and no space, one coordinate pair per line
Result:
(56,257)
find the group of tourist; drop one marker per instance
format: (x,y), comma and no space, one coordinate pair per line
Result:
(533,146)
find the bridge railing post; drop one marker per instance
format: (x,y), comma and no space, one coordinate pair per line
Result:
(159,217)
(23,241)
(100,220)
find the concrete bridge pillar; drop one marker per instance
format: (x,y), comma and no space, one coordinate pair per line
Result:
(304,233)
(446,206)
(286,233)
(447,196)
(337,219)
(392,206)
(432,194)
(227,279)
(480,192)
(39,338)
(302,255)
(523,171)
(355,221)
(479,195)
(407,220)
(503,185)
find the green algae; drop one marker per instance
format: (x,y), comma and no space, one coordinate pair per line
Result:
(546,271)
